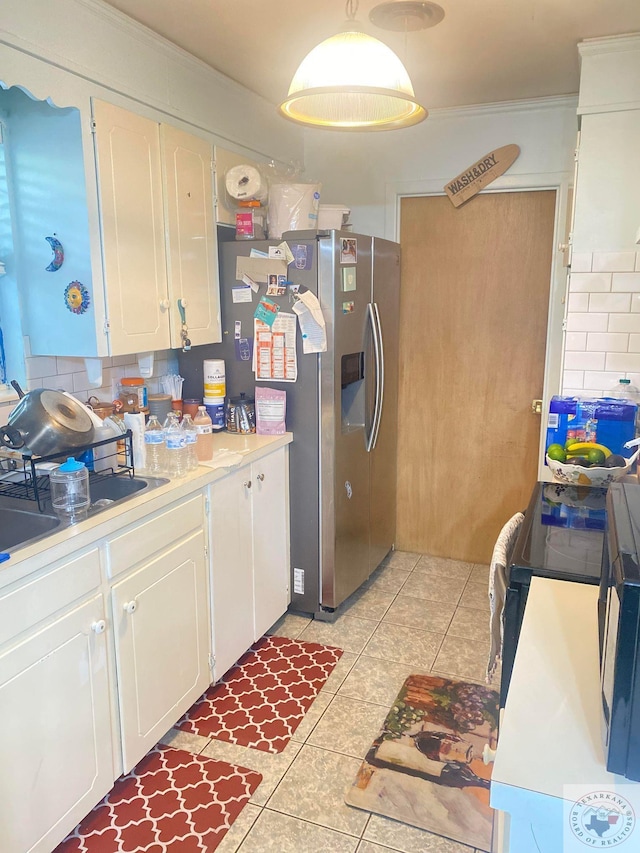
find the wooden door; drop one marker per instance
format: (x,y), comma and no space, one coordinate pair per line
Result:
(270,512)
(192,248)
(162,644)
(473,318)
(132,221)
(55,741)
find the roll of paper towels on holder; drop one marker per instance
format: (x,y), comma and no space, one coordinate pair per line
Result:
(245,183)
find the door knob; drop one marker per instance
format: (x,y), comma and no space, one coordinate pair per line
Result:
(164,304)
(247,484)
(260,477)
(536,407)
(99,627)
(130,606)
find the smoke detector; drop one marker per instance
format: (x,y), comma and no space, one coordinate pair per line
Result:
(406,15)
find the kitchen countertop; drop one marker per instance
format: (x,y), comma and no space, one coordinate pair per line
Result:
(64,541)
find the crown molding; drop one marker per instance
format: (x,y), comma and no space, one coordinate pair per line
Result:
(553,102)
(609,44)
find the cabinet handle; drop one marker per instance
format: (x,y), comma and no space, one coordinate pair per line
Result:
(99,627)
(260,477)
(164,304)
(130,606)
(247,484)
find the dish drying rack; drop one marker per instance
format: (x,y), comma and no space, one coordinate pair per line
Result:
(28,479)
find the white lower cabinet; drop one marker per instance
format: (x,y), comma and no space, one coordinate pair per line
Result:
(160,621)
(249,555)
(55,731)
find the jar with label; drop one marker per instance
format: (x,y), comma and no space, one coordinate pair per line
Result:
(132,395)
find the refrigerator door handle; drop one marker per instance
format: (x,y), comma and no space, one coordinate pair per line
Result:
(380,377)
(374,319)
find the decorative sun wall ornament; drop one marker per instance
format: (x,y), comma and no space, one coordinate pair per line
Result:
(76,297)
(58,254)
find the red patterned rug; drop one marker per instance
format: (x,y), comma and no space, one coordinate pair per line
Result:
(262,700)
(171,802)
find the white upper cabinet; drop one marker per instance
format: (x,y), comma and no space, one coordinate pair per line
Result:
(158,240)
(132,221)
(192,256)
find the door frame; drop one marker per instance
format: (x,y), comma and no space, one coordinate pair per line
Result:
(562,183)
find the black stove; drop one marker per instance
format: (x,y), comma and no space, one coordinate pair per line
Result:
(562,537)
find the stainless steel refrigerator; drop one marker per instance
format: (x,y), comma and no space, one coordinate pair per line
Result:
(342,409)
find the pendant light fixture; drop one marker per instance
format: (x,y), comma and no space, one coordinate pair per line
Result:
(352,81)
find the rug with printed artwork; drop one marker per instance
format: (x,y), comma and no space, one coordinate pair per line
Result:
(425,768)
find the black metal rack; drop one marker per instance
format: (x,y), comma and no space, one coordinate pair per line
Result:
(29,483)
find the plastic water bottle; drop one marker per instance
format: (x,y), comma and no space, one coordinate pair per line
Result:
(625,390)
(175,446)
(204,425)
(191,436)
(154,443)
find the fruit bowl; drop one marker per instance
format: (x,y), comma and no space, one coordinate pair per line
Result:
(576,475)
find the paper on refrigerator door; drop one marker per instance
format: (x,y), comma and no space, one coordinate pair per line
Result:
(274,349)
(312,325)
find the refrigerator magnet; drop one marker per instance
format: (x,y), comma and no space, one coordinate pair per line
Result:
(302,256)
(348,278)
(348,307)
(241,294)
(267,311)
(348,250)
(244,349)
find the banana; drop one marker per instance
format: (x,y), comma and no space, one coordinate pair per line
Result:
(582,447)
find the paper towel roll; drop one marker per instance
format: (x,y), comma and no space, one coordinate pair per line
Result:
(245,182)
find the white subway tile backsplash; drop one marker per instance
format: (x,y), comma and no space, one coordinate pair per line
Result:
(626,281)
(610,302)
(69,365)
(624,323)
(634,343)
(40,365)
(574,378)
(580,262)
(613,261)
(590,282)
(637,261)
(623,362)
(602,380)
(587,322)
(607,342)
(575,341)
(584,360)
(121,360)
(578,302)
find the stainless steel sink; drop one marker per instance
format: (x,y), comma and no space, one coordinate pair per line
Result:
(21,523)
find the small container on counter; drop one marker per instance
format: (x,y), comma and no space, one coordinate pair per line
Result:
(132,395)
(240,414)
(190,406)
(70,491)
(160,406)
(214,407)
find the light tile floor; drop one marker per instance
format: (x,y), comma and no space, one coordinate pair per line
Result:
(415,614)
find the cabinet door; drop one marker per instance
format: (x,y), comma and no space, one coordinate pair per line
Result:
(270,495)
(55,739)
(132,220)
(192,248)
(162,643)
(232,585)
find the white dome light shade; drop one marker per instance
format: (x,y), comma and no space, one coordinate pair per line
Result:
(352,81)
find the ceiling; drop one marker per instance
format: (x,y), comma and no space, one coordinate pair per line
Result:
(482,52)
